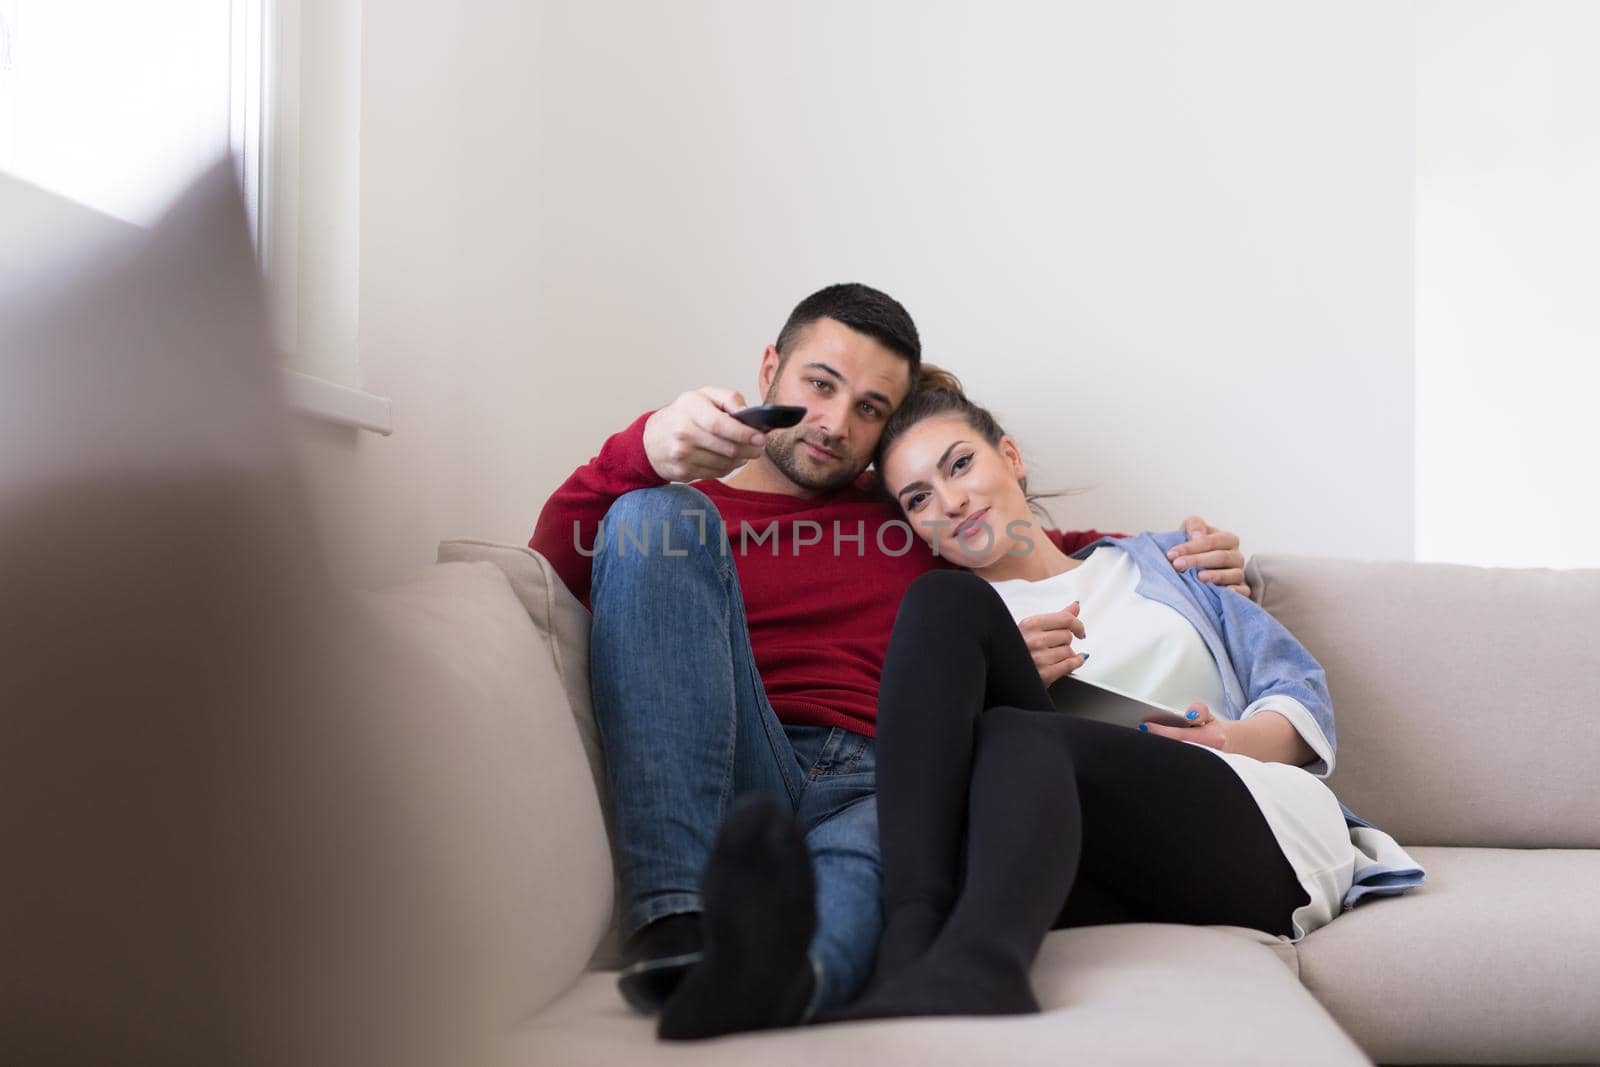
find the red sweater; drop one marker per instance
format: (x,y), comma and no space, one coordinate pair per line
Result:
(819,599)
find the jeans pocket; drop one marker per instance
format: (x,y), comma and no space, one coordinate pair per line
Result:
(813,747)
(846,753)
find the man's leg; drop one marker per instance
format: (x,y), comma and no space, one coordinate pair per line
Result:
(682,715)
(839,812)
(760,915)
(779,950)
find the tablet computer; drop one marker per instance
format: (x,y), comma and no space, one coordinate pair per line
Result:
(1098,701)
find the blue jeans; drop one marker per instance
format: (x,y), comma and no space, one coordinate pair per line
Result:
(687,728)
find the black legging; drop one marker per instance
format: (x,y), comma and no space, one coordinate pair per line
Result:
(1062,821)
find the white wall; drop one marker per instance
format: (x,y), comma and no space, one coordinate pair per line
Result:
(1169,243)
(1508,260)
(43,233)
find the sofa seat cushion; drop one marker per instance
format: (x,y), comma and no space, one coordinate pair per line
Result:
(1495,960)
(1128,994)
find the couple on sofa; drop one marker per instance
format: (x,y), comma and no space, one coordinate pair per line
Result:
(799,667)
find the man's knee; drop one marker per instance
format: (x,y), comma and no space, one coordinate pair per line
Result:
(663,521)
(659,502)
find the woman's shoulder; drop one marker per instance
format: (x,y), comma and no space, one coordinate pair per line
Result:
(1070,541)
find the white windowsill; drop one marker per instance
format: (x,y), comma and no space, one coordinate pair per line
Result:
(339,404)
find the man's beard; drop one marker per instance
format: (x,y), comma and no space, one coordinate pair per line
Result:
(781,449)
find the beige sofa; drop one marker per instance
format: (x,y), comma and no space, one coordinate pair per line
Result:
(1459,692)
(246,822)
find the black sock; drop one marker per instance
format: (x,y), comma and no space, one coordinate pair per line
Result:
(658,956)
(668,936)
(910,928)
(760,913)
(963,980)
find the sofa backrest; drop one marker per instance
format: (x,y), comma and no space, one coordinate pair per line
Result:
(1462,695)
(495,765)
(562,625)
(560,621)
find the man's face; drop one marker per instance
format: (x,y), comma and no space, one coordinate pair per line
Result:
(849,385)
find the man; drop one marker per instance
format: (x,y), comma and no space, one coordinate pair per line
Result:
(739,632)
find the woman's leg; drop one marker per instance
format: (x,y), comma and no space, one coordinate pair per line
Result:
(1158,830)
(1171,834)
(954,652)
(1153,829)
(1157,813)
(1023,843)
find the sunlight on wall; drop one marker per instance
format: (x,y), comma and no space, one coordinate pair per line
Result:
(113,104)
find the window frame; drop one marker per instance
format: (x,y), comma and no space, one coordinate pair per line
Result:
(264,135)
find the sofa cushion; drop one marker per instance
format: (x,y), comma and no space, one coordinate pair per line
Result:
(563,625)
(522,844)
(1458,694)
(1496,960)
(1127,994)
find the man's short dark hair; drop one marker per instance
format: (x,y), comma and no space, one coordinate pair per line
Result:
(863,309)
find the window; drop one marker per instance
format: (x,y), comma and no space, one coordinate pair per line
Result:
(117,105)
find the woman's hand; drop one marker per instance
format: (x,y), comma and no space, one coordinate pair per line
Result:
(1204,728)
(1049,639)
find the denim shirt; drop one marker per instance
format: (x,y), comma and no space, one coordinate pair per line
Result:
(1262,665)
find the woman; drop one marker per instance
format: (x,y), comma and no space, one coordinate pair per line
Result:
(1001,817)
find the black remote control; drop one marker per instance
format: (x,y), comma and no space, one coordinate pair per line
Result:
(770,416)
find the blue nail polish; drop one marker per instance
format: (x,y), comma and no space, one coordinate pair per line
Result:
(1144,728)
(1192,715)
(1086,656)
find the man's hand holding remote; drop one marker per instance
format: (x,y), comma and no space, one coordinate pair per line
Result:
(696,437)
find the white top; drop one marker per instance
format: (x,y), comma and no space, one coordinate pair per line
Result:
(1136,645)
(1147,649)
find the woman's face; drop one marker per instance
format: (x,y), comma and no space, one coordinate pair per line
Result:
(960,493)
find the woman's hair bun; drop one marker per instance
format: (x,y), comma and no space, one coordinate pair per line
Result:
(937,379)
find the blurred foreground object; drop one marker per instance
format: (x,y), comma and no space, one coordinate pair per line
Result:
(214,853)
